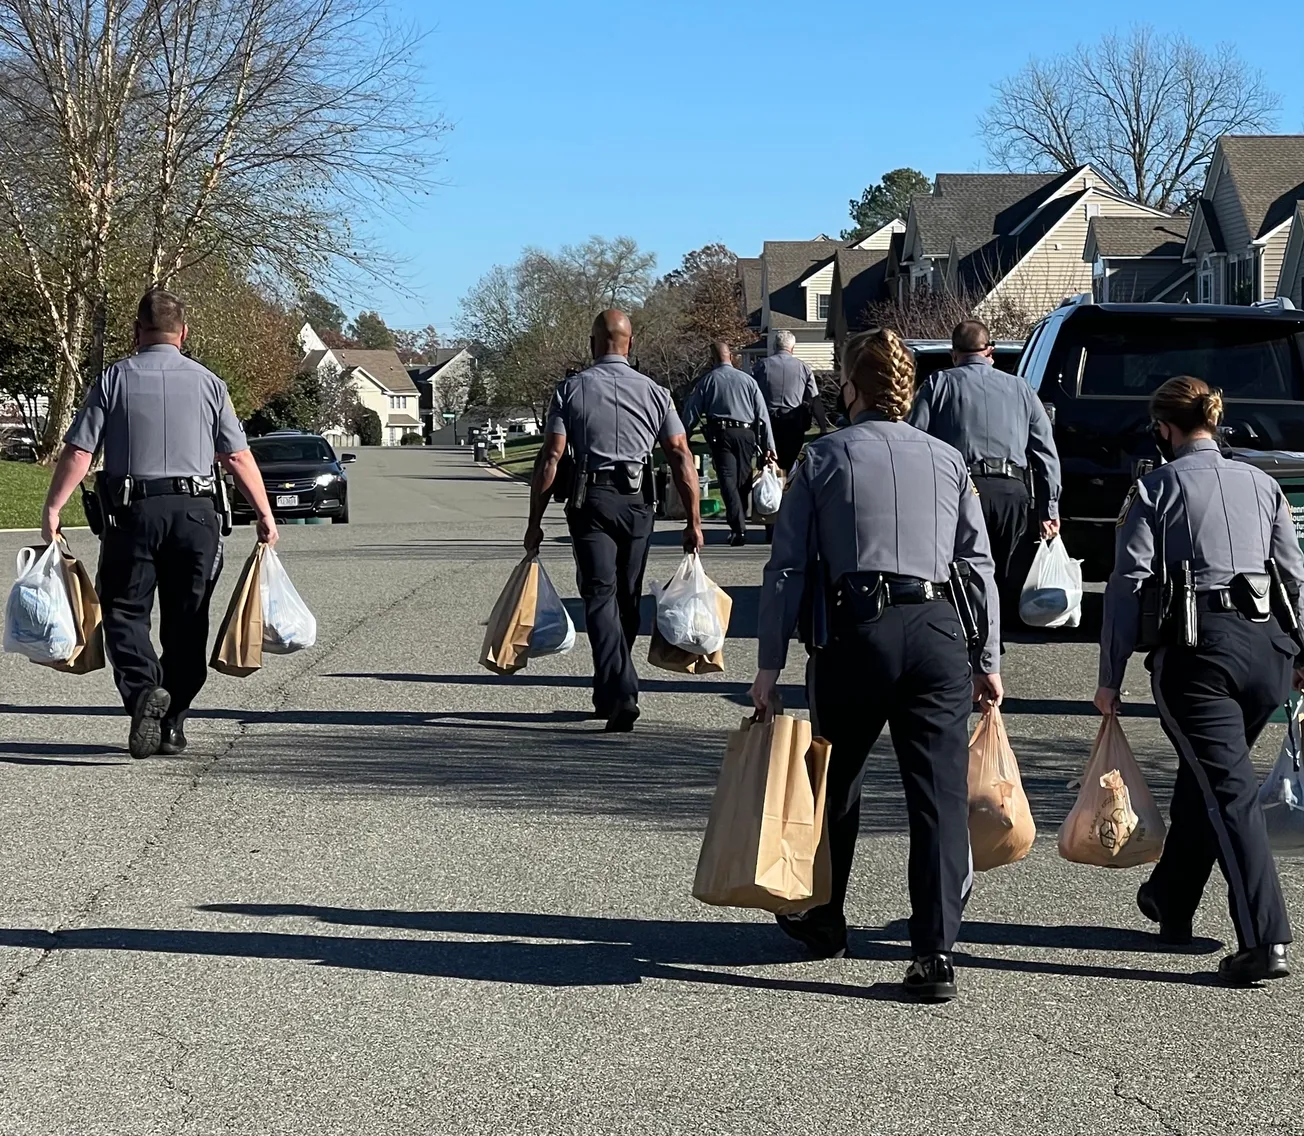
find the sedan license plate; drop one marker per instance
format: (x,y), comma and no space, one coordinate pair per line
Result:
(286,501)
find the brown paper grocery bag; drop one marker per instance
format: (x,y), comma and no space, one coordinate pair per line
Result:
(766,844)
(1115,822)
(670,658)
(506,647)
(89,653)
(238,650)
(1001,829)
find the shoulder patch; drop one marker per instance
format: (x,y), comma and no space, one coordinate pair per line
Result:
(1127,505)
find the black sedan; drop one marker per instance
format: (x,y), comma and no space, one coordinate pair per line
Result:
(303,478)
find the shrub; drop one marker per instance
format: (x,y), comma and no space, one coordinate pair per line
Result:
(411,440)
(366,425)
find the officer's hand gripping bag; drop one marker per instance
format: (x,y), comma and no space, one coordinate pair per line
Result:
(238,650)
(687,614)
(89,653)
(553,632)
(1052,593)
(1001,828)
(506,647)
(767,843)
(288,625)
(1115,822)
(1281,796)
(39,619)
(767,493)
(662,654)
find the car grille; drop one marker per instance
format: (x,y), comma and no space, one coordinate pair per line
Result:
(290,484)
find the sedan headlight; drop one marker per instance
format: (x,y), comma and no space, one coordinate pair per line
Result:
(325,479)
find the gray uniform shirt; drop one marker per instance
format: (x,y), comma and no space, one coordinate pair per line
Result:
(877,496)
(785,381)
(158,414)
(1224,516)
(610,413)
(726,392)
(990,416)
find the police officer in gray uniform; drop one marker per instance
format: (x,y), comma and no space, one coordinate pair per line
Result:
(161,420)
(1220,530)
(610,416)
(1001,428)
(874,518)
(788,387)
(736,422)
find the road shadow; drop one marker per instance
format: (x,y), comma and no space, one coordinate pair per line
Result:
(575,950)
(57,753)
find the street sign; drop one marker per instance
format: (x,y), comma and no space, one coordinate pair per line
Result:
(449,416)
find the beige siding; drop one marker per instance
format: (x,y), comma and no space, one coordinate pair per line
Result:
(819,284)
(1055,268)
(1231,218)
(883,238)
(1274,253)
(817,353)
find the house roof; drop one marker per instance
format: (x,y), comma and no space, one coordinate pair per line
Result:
(1137,236)
(1268,173)
(972,209)
(313,360)
(983,267)
(749,277)
(861,274)
(383,366)
(787,263)
(1209,219)
(402,420)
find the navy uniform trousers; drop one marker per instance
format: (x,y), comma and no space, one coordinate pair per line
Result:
(1213,703)
(908,670)
(790,426)
(611,533)
(169,545)
(1004,502)
(733,449)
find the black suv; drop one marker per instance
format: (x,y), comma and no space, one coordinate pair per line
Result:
(1094,366)
(302,475)
(933,355)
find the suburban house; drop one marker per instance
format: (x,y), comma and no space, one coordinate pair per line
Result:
(447,380)
(380,378)
(1006,240)
(1138,260)
(859,280)
(750,298)
(1243,243)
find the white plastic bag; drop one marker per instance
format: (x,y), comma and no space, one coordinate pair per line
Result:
(1281,796)
(554,633)
(1052,593)
(39,620)
(288,625)
(767,494)
(687,614)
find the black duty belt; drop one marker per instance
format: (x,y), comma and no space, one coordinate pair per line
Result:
(897,591)
(607,477)
(987,468)
(173,487)
(728,424)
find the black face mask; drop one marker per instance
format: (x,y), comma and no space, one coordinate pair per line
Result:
(1165,447)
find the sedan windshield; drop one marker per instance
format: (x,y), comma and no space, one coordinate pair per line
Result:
(270,450)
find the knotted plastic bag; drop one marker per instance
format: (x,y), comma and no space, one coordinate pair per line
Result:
(288,625)
(1281,796)
(1115,822)
(1052,593)
(39,619)
(767,493)
(687,614)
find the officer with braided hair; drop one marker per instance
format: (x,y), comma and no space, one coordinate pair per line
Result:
(874,519)
(1002,430)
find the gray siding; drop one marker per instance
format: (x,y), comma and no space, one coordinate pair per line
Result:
(1231,217)
(1133,281)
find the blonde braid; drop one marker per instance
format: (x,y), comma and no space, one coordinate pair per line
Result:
(882,369)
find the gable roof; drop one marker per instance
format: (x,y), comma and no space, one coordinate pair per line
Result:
(984,267)
(859,276)
(383,366)
(749,279)
(786,264)
(1267,171)
(972,209)
(1136,236)
(313,359)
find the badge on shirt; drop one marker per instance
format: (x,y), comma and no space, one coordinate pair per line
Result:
(1127,506)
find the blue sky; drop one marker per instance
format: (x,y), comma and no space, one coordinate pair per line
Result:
(681,122)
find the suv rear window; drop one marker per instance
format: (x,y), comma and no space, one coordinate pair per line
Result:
(1247,358)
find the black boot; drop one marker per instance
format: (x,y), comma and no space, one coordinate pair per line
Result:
(1257,964)
(1174,932)
(174,740)
(931,978)
(821,932)
(622,718)
(147,722)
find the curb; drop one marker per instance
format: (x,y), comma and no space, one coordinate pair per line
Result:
(62,528)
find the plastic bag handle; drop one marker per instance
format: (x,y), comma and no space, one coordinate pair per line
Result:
(1293,715)
(26,558)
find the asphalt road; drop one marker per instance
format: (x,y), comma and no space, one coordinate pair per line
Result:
(388,892)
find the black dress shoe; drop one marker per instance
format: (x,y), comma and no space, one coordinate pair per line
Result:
(737,540)
(623,718)
(823,935)
(174,741)
(931,978)
(147,723)
(1258,964)
(1171,931)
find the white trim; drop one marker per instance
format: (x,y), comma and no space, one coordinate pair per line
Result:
(1045,237)
(1111,259)
(1263,240)
(1086,196)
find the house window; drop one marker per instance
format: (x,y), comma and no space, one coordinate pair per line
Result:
(1099,282)
(822,306)
(1093,209)
(1205,293)
(1242,282)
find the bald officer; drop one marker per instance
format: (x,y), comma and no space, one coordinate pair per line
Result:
(610,417)
(161,420)
(788,387)
(1000,427)
(737,428)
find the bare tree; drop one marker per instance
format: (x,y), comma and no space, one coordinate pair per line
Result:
(1145,109)
(140,138)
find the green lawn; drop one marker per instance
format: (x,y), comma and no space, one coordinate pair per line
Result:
(22,495)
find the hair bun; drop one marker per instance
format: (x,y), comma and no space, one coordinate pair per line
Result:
(1212,406)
